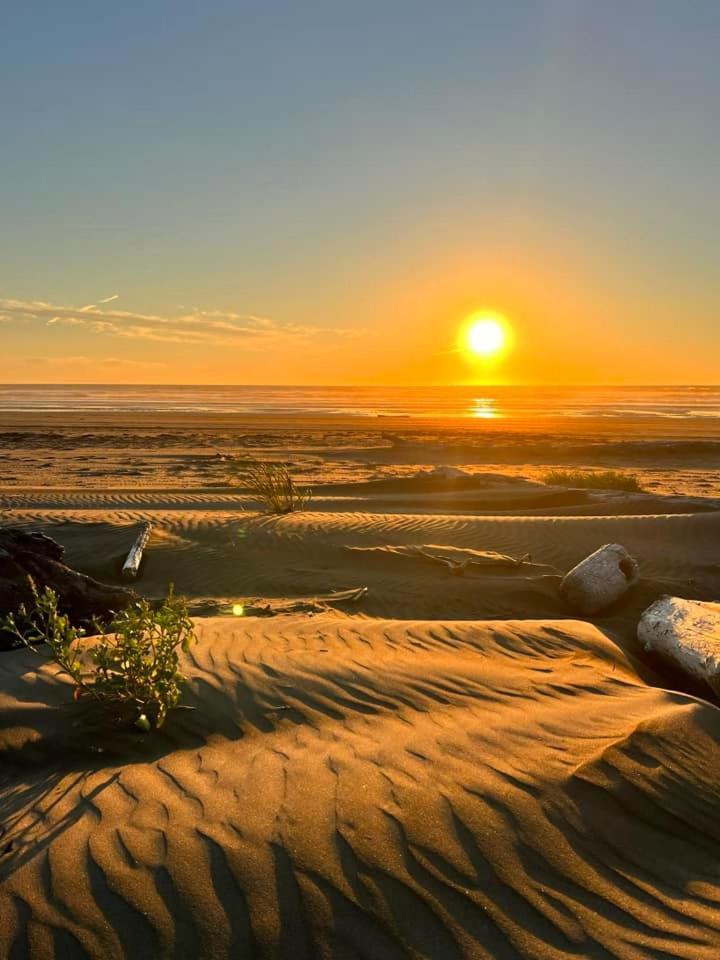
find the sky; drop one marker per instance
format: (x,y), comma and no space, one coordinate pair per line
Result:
(323,192)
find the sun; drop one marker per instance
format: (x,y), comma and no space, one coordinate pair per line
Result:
(485,335)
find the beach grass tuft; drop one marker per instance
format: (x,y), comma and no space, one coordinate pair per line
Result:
(593,479)
(273,484)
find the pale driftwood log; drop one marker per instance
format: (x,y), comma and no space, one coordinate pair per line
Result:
(600,579)
(457,567)
(319,604)
(354,593)
(134,558)
(687,634)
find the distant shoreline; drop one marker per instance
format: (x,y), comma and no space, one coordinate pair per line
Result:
(640,413)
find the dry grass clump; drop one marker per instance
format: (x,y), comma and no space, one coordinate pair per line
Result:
(131,670)
(273,484)
(594,480)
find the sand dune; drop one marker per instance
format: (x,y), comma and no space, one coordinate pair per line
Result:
(369,789)
(414,773)
(406,496)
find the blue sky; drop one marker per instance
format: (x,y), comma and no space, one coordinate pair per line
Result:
(341,183)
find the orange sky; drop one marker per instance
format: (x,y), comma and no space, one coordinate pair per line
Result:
(573,322)
(176,212)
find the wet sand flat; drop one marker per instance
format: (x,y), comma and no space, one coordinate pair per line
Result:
(382,759)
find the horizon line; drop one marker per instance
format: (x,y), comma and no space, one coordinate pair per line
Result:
(367,386)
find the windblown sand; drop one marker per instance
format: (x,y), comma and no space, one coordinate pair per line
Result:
(440,767)
(217,558)
(370,789)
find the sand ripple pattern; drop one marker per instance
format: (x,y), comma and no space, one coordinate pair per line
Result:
(216,558)
(372,790)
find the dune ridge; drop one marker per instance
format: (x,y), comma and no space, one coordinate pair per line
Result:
(407,497)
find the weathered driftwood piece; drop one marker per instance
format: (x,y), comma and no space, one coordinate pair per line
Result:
(355,593)
(458,565)
(26,555)
(687,634)
(131,566)
(319,604)
(600,579)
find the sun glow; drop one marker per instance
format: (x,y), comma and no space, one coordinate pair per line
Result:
(485,335)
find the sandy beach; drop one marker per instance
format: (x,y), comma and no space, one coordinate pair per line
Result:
(373,789)
(360,481)
(436,766)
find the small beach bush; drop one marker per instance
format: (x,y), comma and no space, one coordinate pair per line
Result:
(131,668)
(595,480)
(273,484)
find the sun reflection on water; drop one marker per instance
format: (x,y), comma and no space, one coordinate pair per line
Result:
(484,408)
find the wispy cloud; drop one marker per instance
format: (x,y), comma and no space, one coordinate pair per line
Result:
(80,360)
(94,306)
(191,326)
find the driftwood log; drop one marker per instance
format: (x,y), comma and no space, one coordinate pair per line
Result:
(318,604)
(457,560)
(686,633)
(24,555)
(599,580)
(458,564)
(131,567)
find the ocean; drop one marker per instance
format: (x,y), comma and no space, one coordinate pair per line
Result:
(692,403)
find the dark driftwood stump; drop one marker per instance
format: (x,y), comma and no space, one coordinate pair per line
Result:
(24,555)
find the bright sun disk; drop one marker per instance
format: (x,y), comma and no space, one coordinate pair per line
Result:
(485,336)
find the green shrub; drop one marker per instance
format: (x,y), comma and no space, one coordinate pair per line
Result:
(596,480)
(132,668)
(273,484)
